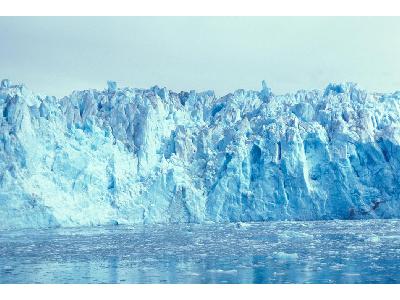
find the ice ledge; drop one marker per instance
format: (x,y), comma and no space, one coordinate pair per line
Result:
(127,155)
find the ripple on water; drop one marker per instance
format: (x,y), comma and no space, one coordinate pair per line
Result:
(289,252)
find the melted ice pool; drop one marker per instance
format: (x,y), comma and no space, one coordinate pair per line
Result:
(271,252)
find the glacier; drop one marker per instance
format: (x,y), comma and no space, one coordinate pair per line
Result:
(142,156)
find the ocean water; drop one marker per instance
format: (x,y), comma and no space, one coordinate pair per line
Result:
(270,252)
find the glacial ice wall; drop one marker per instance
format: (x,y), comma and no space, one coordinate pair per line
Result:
(127,155)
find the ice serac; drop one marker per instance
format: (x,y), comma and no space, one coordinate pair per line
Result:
(126,156)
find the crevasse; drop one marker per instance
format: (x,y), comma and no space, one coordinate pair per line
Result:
(127,155)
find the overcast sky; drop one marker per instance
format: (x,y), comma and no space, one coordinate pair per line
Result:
(58,55)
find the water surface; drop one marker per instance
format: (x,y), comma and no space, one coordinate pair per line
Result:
(271,252)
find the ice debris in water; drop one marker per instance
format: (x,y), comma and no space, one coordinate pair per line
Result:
(288,235)
(286,256)
(374,239)
(129,155)
(242,225)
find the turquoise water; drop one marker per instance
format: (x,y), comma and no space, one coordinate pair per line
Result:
(271,252)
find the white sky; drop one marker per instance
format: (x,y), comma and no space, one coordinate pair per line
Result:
(57,55)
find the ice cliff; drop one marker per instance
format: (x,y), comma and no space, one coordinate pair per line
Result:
(127,155)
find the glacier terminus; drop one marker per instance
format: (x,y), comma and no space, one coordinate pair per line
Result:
(144,156)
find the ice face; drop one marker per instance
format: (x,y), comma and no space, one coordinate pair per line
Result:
(126,155)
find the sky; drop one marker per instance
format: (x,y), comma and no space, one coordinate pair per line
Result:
(56,55)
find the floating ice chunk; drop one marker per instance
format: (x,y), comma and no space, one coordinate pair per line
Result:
(286,256)
(242,225)
(223,271)
(374,239)
(295,235)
